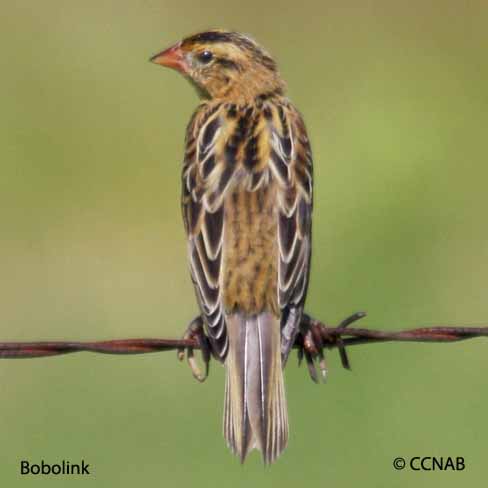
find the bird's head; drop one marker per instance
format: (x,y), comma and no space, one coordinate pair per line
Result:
(224,65)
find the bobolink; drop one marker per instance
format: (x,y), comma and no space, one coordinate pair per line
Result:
(247,205)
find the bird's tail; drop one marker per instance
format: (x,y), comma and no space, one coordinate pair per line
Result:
(255,412)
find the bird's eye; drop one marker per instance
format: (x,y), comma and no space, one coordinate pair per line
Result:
(205,57)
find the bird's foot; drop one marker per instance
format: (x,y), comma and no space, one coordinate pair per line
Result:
(313,338)
(195,331)
(311,347)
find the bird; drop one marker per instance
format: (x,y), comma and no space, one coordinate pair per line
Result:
(247,211)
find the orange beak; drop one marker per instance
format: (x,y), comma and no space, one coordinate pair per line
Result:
(171,58)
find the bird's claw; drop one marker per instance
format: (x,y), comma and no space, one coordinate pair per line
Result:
(195,331)
(313,339)
(311,347)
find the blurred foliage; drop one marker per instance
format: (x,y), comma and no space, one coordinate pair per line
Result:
(92,246)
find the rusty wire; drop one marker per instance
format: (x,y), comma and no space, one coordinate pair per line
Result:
(314,337)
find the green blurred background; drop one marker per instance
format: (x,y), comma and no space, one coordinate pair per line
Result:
(92,245)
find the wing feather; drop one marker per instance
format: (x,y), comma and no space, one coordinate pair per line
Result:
(291,163)
(203,213)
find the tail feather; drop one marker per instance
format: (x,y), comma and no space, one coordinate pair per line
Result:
(255,413)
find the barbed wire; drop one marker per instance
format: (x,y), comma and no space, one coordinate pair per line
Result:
(314,337)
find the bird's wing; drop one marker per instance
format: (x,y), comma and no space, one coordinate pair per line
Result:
(291,164)
(203,214)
